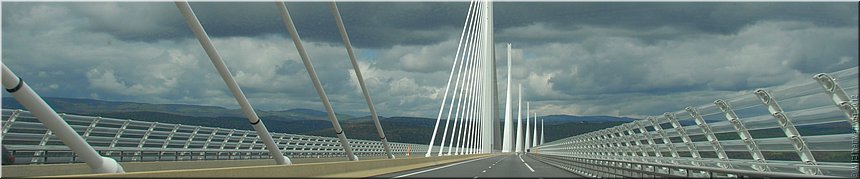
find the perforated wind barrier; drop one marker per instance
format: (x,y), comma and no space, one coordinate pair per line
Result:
(133,140)
(807,128)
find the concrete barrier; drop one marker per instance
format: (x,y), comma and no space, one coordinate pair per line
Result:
(363,168)
(81,168)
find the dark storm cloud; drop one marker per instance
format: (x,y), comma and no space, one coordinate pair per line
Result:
(687,18)
(580,58)
(384,24)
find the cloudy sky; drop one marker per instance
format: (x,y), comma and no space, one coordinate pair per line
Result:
(579,58)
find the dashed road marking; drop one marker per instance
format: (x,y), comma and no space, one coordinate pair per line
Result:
(437,168)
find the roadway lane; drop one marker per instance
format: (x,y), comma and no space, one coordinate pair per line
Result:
(509,165)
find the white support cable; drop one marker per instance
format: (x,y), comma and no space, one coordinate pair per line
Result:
(477,142)
(291,28)
(470,92)
(479,95)
(55,124)
(474,112)
(445,96)
(465,88)
(463,131)
(519,147)
(345,37)
(231,83)
(456,86)
(476,106)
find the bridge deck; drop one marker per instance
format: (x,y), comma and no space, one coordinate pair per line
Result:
(81,168)
(508,165)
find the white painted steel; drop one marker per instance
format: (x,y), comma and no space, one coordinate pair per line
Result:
(49,118)
(345,37)
(294,35)
(212,52)
(519,143)
(717,129)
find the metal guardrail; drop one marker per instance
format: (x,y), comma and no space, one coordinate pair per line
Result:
(131,140)
(606,168)
(792,130)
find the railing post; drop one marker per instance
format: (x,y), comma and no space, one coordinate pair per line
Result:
(253,143)
(118,135)
(224,143)
(839,97)
(8,123)
(144,138)
(644,132)
(42,142)
(742,131)
(666,140)
(209,140)
(715,143)
(790,131)
(638,143)
(686,138)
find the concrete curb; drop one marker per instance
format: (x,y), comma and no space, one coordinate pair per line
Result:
(363,168)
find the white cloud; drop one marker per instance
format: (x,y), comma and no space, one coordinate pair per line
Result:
(86,51)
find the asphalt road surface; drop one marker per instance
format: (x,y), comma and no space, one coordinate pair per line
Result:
(510,165)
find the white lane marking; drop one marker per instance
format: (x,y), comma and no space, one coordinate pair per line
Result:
(530,167)
(437,168)
(485,171)
(503,158)
(527,164)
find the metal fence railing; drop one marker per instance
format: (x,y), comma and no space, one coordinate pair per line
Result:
(809,128)
(131,140)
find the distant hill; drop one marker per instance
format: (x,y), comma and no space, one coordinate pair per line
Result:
(299,121)
(559,119)
(92,107)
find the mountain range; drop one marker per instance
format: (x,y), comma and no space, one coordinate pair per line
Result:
(297,121)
